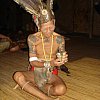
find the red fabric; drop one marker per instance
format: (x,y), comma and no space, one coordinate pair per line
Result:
(32,68)
(55,71)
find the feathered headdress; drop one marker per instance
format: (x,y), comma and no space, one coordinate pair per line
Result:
(41,11)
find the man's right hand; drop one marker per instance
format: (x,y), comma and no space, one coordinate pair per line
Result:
(56,62)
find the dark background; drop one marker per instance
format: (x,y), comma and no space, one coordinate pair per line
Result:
(73,17)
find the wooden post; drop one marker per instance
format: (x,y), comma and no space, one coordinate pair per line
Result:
(91,18)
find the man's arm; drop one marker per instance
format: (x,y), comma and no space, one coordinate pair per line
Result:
(33,53)
(61,41)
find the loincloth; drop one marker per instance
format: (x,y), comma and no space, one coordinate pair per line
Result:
(55,70)
(43,76)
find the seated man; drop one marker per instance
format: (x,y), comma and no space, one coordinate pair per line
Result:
(42,80)
(4,42)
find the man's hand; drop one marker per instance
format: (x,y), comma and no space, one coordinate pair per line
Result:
(65,57)
(58,62)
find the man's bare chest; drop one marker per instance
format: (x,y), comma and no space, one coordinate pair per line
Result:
(47,46)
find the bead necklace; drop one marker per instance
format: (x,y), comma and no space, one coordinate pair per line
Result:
(44,48)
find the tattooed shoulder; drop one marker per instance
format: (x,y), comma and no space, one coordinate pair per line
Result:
(59,39)
(32,38)
(32,43)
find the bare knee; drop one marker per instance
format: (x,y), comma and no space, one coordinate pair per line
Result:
(18,76)
(60,90)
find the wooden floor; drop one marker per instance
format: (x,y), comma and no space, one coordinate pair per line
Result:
(84,65)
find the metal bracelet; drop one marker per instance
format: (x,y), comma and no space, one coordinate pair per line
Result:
(47,64)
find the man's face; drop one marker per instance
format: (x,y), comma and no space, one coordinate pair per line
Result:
(48,28)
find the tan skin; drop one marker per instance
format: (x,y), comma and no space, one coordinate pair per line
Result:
(35,50)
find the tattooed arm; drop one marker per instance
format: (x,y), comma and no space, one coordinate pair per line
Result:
(61,42)
(61,49)
(32,45)
(32,40)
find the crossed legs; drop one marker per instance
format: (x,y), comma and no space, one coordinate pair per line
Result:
(25,80)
